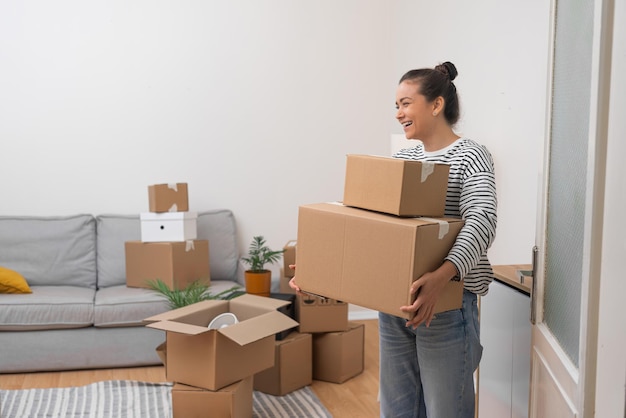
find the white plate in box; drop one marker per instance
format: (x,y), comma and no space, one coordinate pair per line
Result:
(168,226)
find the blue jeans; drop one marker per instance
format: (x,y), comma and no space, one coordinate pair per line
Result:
(428,372)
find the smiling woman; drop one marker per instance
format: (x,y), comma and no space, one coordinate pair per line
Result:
(427,363)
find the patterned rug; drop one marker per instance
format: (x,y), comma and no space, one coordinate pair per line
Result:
(133,399)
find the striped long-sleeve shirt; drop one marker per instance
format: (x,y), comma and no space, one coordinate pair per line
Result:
(471,196)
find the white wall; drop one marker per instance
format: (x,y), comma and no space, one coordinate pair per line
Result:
(500,50)
(254,103)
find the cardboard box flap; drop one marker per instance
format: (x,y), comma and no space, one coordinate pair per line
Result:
(178,327)
(270,304)
(261,326)
(185,310)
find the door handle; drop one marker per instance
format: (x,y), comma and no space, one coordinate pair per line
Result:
(533,300)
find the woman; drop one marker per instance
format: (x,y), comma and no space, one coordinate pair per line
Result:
(427,363)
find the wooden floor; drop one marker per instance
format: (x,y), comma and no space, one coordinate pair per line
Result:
(356,397)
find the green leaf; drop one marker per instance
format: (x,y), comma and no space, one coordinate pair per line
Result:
(195,292)
(260,254)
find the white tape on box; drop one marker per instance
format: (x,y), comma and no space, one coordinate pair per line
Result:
(427,169)
(173,186)
(189,246)
(444,227)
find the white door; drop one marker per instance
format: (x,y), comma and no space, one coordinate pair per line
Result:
(568,250)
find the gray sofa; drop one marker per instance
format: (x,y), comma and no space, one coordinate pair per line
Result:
(81,314)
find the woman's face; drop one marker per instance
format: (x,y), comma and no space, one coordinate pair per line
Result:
(415,113)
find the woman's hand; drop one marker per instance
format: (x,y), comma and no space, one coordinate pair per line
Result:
(428,288)
(292,282)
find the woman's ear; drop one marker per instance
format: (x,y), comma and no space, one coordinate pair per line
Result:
(438,105)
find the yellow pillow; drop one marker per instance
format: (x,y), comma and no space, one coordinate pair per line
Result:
(12,282)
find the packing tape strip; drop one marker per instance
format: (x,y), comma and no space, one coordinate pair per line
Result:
(174,208)
(427,169)
(444,227)
(189,245)
(173,186)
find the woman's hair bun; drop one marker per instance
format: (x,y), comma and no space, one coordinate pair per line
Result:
(448,69)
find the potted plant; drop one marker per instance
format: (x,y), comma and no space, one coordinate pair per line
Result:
(258,278)
(196,291)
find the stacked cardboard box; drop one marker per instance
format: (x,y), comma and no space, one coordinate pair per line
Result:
(293,366)
(213,368)
(339,356)
(338,345)
(368,249)
(168,249)
(326,346)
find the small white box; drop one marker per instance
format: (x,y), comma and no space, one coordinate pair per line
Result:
(168,226)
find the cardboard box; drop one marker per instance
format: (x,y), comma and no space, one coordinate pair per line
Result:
(215,358)
(177,264)
(293,366)
(289,258)
(396,186)
(339,356)
(318,314)
(168,226)
(170,197)
(233,401)
(370,259)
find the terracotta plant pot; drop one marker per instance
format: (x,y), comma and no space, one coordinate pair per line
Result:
(258,283)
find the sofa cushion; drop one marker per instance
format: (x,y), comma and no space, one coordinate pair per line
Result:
(12,282)
(218,227)
(51,250)
(48,307)
(113,232)
(121,306)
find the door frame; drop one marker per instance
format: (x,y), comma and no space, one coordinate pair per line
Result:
(551,368)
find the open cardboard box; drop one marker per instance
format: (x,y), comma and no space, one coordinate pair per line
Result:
(214,358)
(370,259)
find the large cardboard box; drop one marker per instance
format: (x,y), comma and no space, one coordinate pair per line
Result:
(293,366)
(339,356)
(233,401)
(168,226)
(396,186)
(319,314)
(169,197)
(289,258)
(370,259)
(177,264)
(215,358)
